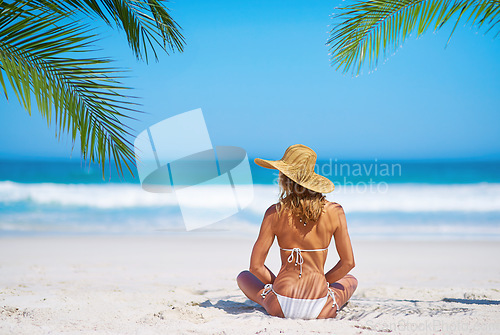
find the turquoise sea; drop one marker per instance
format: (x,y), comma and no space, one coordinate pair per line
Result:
(382,200)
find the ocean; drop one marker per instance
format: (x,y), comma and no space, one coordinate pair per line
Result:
(382,200)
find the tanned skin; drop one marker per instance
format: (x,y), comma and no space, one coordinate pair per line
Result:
(312,284)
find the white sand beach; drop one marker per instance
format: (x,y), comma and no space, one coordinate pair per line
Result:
(184,283)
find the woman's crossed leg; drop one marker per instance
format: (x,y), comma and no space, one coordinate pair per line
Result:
(253,287)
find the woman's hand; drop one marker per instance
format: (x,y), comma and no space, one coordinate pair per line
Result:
(261,248)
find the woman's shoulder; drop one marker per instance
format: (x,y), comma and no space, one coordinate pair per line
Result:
(271,210)
(333,207)
(333,214)
(270,216)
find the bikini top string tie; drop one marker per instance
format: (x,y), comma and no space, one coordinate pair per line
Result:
(299,260)
(298,256)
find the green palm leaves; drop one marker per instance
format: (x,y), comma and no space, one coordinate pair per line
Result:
(368,27)
(146,23)
(43,58)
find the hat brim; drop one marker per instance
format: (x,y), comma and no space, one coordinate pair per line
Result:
(265,163)
(316,183)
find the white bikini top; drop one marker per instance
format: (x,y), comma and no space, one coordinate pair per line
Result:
(298,256)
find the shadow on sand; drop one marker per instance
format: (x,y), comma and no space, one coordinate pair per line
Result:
(233,307)
(473,301)
(359,309)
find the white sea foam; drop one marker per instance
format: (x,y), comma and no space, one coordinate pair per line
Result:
(83,195)
(402,211)
(482,197)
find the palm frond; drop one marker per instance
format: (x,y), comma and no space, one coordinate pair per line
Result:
(366,28)
(147,23)
(37,59)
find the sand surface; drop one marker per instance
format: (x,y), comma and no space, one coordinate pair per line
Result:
(184,283)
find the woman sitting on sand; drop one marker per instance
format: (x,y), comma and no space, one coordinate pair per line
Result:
(304,223)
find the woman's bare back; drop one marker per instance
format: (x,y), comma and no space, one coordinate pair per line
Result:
(311,283)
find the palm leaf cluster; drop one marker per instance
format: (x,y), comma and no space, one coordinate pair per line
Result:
(365,28)
(44,59)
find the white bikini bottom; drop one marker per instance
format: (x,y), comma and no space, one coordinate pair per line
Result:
(295,308)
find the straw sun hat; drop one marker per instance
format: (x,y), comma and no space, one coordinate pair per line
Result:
(298,164)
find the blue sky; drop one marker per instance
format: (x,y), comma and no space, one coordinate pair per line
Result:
(260,72)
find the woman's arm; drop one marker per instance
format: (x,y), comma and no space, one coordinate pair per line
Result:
(344,249)
(261,248)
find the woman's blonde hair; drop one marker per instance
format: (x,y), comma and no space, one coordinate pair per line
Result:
(302,202)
